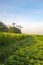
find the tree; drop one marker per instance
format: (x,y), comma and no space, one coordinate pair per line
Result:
(3,27)
(19,27)
(13,24)
(14,30)
(11,29)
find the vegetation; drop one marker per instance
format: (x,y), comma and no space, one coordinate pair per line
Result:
(21,49)
(3,27)
(11,29)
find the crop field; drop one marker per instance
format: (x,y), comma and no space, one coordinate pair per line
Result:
(21,49)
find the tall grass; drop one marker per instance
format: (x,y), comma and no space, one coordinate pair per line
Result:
(22,48)
(8,38)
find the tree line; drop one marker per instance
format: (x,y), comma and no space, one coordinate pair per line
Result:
(11,29)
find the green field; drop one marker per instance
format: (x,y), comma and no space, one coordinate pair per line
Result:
(21,49)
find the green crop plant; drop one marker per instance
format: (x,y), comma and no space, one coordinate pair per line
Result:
(21,49)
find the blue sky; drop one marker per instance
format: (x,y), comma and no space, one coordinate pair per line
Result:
(28,13)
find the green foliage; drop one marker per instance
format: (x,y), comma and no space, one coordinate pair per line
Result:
(14,30)
(11,29)
(8,38)
(3,27)
(21,49)
(17,60)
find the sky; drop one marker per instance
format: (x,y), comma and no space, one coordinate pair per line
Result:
(27,13)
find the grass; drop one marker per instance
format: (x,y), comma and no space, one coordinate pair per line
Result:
(21,49)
